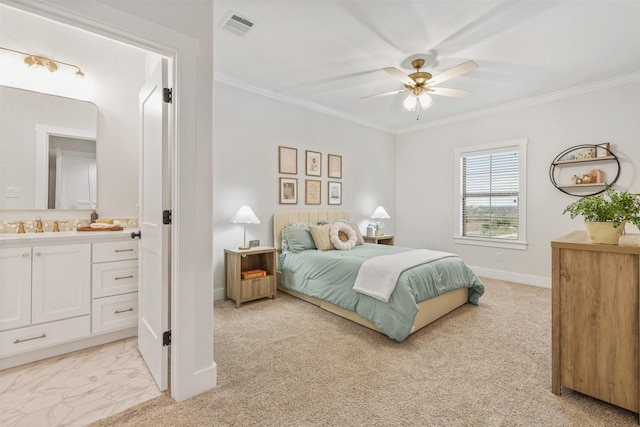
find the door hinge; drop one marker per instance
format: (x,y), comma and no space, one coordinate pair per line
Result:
(166,338)
(166,216)
(167,95)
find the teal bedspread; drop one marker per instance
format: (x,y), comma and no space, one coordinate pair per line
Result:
(330,275)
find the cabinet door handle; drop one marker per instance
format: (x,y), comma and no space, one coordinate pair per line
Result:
(123,277)
(25,255)
(124,250)
(122,311)
(18,341)
(37,254)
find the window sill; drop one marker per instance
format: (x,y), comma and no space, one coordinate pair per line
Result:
(519,245)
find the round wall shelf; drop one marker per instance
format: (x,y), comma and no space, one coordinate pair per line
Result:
(573,159)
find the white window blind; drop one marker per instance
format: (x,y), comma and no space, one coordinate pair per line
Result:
(491,183)
(490,195)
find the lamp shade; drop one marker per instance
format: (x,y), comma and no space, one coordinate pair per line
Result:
(245,216)
(380,213)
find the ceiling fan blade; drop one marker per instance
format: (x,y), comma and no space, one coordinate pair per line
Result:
(385,94)
(456,71)
(400,76)
(443,91)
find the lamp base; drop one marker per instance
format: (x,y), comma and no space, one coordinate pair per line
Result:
(244,248)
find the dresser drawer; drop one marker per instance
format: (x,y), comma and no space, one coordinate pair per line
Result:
(116,312)
(115,251)
(114,278)
(47,334)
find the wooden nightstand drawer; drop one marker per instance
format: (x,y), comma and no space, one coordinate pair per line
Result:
(258,288)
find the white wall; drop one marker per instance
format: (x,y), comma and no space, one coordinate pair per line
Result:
(425,174)
(114,74)
(248,128)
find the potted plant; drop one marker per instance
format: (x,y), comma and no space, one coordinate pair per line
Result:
(606,214)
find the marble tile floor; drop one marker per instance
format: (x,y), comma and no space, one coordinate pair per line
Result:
(76,389)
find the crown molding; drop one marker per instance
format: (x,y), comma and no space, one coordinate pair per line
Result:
(527,102)
(230,81)
(522,103)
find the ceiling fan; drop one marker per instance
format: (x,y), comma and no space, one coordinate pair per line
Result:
(421,84)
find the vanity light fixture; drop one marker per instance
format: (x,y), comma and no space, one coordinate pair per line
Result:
(245,216)
(35,61)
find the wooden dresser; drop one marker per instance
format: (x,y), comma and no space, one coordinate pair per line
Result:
(595,322)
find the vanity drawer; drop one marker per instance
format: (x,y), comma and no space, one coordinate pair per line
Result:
(47,334)
(114,278)
(117,312)
(115,251)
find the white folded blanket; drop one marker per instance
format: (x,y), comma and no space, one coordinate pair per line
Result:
(378,276)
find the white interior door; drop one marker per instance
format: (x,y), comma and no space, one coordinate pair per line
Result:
(154,197)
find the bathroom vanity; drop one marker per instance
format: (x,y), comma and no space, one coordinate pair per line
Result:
(61,292)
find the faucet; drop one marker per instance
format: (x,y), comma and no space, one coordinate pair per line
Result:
(38,225)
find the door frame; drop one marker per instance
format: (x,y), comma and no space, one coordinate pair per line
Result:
(192,368)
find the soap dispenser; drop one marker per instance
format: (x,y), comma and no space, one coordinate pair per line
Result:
(94,215)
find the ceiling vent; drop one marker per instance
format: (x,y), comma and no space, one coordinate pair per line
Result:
(237,25)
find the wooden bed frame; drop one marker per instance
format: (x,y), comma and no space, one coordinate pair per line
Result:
(428,311)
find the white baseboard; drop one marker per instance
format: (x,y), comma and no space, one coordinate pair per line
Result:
(218,294)
(525,279)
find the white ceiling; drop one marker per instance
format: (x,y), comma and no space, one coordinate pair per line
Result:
(328,54)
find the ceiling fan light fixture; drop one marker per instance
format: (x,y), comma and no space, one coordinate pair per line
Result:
(425,101)
(410,103)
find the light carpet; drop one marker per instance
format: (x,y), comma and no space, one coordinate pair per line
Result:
(285,362)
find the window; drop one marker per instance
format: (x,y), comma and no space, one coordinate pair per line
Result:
(491,199)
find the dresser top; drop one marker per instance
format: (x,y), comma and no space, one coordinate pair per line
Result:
(629,243)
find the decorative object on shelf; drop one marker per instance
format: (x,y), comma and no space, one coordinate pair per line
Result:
(245,216)
(603,150)
(335,193)
(288,160)
(605,217)
(576,182)
(288,191)
(378,214)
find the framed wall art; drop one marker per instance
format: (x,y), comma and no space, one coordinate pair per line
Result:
(603,150)
(288,160)
(335,193)
(335,165)
(313,163)
(288,191)
(312,194)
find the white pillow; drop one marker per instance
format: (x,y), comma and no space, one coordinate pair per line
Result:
(344,245)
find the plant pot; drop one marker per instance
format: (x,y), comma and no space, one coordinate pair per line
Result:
(604,232)
(378,233)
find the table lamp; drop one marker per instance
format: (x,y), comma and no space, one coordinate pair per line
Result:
(379,214)
(245,216)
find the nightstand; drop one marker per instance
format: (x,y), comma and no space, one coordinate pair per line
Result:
(385,239)
(251,262)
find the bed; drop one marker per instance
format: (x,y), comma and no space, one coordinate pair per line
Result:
(307,274)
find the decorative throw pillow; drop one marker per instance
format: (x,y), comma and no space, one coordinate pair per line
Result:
(359,239)
(298,238)
(321,238)
(339,229)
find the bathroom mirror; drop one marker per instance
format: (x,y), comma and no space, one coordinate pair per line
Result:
(47,151)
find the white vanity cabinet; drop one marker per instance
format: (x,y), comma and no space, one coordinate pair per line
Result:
(115,285)
(15,287)
(45,284)
(61,292)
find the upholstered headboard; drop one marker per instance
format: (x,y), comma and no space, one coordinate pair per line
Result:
(283,218)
